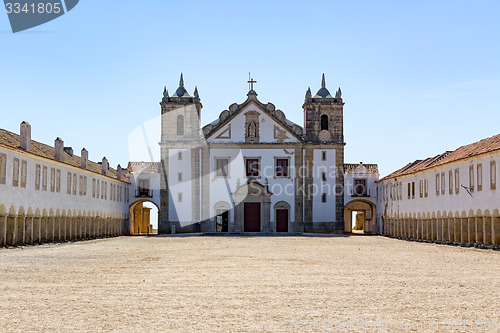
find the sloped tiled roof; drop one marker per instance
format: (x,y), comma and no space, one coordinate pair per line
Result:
(474,149)
(11,140)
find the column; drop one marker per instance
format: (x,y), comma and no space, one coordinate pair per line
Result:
(28,231)
(471,232)
(479,230)
(11,229)
(487,230)
(37,230)
(3,230)
(464,239)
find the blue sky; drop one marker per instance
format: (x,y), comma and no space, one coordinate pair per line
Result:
(418,78)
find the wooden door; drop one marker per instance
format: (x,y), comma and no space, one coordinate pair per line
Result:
(252,217)
(281,220)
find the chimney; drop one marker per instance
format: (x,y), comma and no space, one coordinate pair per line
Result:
(119,172)
(105,166)
(85,158)
(25,136)
(58,149)
(68,151)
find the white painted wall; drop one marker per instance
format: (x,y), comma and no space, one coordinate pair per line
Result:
(324,212)
(486,199)
(29,197)
(180,211)
(222,187)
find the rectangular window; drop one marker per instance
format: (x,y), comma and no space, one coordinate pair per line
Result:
(84,185)
(413,190)
(323,198)
(323,155)
(74,184)
(437,184)
(400,191)
(143,187)
(38,171)
(93,188)
(179,177)
(15,173)
(493,175)
(179,197)
(68,181)
(323,176)
(58,181)
(282,167)
(3,168)
(80,191)
(44,179)
(457,181)
(97,188)
(421,188)
(221,166)
(24,173)
(479,177)
(471,178)
(443,183)
(409,190)
(450,182)
(426,188)
(179,156)
(252,167)
(106,190)
(52,180)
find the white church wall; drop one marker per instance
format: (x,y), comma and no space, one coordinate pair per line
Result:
(266,128)
(222,187)
(324,211)
(180,199)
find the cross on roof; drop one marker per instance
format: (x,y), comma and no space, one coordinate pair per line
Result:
(251,81)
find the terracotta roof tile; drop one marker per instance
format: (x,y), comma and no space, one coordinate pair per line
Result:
(474,149)
(12,140)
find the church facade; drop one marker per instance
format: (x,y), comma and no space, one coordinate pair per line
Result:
(252,169)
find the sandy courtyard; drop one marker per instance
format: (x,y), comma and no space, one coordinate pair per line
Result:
(248,284)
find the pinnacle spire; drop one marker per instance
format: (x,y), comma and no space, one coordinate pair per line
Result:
(323,83)
(165,92)
(308,93)
(196,92)
(181,81)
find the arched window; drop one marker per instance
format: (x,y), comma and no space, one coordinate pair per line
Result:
(180,125)
(324,122)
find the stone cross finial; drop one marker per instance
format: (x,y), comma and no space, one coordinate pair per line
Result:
(251,81)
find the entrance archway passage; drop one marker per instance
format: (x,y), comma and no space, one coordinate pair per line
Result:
(140,218)
(359,216)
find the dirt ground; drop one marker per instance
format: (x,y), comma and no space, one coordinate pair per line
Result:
(249,284)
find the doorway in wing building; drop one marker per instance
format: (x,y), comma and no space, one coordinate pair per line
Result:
(143,218)
(359,217)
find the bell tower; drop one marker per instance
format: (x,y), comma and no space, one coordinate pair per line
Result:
(324,116)
(181,142)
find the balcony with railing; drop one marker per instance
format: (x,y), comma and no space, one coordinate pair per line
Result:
(143,193)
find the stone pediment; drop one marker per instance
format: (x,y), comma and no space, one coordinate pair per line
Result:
(252,188)
(269,109)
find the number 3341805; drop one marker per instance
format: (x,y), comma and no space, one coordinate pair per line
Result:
(39,8)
